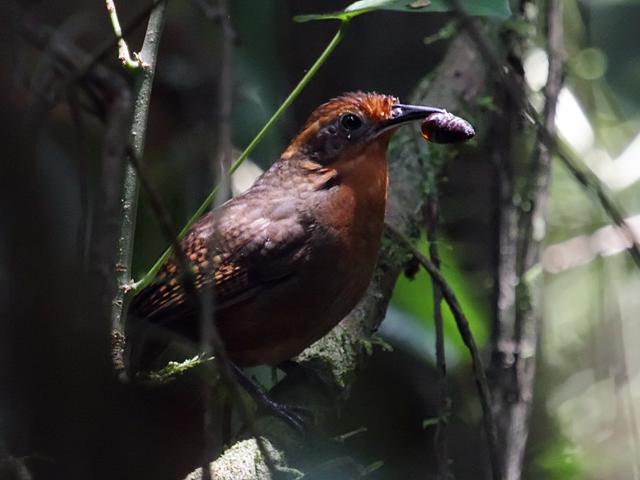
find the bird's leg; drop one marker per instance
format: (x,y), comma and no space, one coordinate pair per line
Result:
(312,378)
(267,404)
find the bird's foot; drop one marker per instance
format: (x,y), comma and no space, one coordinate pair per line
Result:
(292,415)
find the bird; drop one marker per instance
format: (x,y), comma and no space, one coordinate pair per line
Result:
(290,257)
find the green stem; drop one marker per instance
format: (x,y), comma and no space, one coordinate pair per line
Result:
(153,271)
(123,50)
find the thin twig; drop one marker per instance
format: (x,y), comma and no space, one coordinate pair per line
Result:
(109,45)
(207,321)
(348,435)
(468,339)
(129,199)
(132,63)
(441,441)
(211,339)
(84,223)
(540,167)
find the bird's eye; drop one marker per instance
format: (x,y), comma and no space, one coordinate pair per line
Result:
(351,121)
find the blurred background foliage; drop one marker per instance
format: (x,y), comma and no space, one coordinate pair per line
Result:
(584,423)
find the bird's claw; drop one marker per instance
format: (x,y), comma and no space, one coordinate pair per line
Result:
(289,414)
(292,415)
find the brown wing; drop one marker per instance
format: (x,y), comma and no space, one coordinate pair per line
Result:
(254,244)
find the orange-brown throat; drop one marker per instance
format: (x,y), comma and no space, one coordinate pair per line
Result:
(355,209)
(364,166)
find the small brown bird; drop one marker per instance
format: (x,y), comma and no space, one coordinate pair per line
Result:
(290,257)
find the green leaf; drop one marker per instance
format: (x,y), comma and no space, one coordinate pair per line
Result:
(494,8)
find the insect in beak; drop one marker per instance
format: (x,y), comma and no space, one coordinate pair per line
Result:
(438,125)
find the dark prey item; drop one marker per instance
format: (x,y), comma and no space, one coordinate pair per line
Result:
(444,127)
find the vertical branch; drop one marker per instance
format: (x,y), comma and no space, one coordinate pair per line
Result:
(516,344)
(102,251)
(84,223)
(209,338)
(210,341)
(129,198)
(540,168)
(504,346)
(441,441)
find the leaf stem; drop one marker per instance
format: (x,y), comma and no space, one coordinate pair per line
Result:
(337,38)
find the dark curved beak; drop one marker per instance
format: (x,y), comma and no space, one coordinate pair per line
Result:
(401,114)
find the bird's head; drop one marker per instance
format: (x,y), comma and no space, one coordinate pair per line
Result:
(350,122)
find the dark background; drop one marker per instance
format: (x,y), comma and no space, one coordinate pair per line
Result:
(61,410)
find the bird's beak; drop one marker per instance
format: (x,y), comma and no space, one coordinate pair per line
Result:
(401,114)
